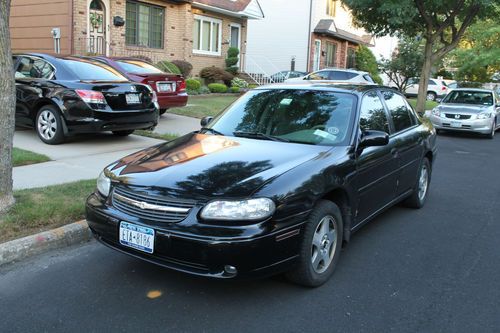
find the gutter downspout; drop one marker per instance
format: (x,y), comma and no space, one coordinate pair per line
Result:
(71,28)
(309,37)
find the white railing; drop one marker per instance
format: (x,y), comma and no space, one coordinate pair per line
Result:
(260,69)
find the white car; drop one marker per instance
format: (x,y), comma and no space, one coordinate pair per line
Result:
(435,90)
(336,74)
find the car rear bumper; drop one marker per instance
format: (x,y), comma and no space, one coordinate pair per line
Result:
(171,101)
(257,255)
(482,126)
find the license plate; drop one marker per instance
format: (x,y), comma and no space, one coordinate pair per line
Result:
(165,86)
(133,99)
(137,237)
(456,124)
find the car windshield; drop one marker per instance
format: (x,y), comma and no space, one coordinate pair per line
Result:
(87,70)
(300,116)
(469,97)
(138,67)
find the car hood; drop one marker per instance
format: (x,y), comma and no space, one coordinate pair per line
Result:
(463,108)
(202,166)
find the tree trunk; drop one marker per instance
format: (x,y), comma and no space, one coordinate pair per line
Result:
(7,108)
(424,76)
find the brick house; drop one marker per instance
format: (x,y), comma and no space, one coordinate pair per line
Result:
(197,31)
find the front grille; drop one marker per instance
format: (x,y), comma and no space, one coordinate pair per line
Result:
(462,116)
(149,207)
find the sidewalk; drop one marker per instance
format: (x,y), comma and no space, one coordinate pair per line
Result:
(175,124)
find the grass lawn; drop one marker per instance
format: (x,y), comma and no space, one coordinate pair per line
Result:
(429,105)
(201,106)
(151,134)
(25,157)
(45,208)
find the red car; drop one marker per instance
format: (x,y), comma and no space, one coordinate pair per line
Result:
(170,88)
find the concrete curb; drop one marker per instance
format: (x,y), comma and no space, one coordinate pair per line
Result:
(22,248)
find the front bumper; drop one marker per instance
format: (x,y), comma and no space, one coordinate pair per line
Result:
(481,126)
(191,247)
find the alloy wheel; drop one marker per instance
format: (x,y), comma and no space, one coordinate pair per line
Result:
(324,244)
(47,124)
(423,183)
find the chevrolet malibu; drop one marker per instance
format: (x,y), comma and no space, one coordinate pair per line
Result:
(471,110)
(276,183)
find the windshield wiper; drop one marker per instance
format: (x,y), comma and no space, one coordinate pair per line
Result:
(258,135)
(211,130)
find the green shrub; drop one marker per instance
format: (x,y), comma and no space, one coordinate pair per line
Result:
(193,84)
(230,62)
(192,92)
(252,86)
(217,88)
(233,52)
(240,83)
(366,61)
(234,89)
(168,67)
(233,70)
(204,90)
(213,74)
(184,66)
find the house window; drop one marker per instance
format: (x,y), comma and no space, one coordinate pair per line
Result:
(207,35)
(331,52)
(144,25)
(331,7)
(351,58)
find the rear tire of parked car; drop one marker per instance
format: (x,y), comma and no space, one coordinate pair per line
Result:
(431,96)
(49,125)
(123,133)
(421,189)
(321,245)
(162,111)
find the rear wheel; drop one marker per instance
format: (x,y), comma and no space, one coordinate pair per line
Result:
(162,111)
(123,133)
(419,195)
(320,247)
(431,96)
(48,125)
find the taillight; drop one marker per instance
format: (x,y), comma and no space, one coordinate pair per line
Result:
(443,88)
(91,96)
(182,86)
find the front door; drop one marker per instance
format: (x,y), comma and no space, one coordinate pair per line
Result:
(317,54)
(97,28)
(235,40)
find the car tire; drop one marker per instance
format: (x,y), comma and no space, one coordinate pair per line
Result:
(431,96)
(123,133)
(491,135)
(421,189)
(320,246)
(49,125)
(162,111)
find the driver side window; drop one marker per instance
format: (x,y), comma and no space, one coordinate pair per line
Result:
(372,114)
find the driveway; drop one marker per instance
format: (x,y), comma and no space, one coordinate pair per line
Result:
(431,270)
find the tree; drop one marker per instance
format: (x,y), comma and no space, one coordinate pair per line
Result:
(441,24)
(366,61)
(7,108)
(406,62)
(477,57)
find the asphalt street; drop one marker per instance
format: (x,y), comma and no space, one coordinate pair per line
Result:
(431,270)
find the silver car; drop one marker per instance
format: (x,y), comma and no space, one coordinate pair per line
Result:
(337,75)
(467,109)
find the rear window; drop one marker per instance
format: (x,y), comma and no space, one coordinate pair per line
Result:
(138,67)
(368,78)
(86,70)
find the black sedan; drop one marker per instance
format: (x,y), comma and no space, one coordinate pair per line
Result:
(61,96)
(276,183)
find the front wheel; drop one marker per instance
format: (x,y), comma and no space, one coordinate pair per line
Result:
(48,124)
(321,245)
(491,135)
(419,195)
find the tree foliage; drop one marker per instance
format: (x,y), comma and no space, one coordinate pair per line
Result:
(405,63)
(366,61)
(477,57)
(441,23)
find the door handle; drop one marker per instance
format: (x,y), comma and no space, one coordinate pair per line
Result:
(395,152)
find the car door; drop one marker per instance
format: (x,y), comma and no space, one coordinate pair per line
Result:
(406,139)
(412,87)
(376,167)
(30,74)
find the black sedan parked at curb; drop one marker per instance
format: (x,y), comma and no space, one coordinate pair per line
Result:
(276,183)
(61,96)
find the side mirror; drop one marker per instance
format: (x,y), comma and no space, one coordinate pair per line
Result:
(374,138)
(205,121)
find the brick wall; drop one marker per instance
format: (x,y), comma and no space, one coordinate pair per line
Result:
(340,56)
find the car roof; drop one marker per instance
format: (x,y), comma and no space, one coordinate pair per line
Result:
(473,89)
(349,87)
(350,70)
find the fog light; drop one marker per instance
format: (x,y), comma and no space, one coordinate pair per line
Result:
(230,270)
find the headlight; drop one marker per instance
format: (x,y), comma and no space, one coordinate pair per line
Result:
(103,184)
(435,112)
(251,209)
(484,115)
